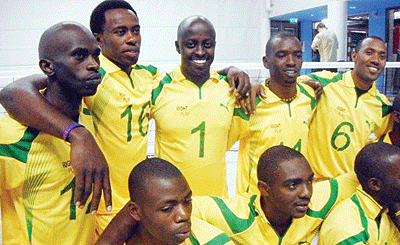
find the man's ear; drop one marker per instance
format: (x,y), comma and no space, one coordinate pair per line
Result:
(47,67)
(264,188)
(134,211)
(265,62)
(375,184)
(99,38)
(177,47)
(353,56)
(396,116)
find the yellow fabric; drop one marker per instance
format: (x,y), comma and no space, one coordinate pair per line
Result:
(327,44)
(275,123)
(352,223)
(343,124)
(242,218)
(204,233)
(192,127)
(38,187)
(120,115)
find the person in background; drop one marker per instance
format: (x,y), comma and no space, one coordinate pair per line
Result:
(326,43)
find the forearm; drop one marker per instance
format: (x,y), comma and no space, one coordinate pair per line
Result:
(23,102)
(394,213)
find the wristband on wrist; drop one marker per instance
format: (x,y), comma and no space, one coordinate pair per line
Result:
(68,130)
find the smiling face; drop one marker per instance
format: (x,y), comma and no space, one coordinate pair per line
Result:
(369,62)
(75,61)
(120,40)
(289,194)
(196,45)
(285,60)
(165,210)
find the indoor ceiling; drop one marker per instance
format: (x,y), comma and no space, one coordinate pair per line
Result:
(353,7)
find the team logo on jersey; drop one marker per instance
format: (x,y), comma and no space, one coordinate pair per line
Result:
(183,110)
(341,111)
(277,127)
(124,98)
(68,166)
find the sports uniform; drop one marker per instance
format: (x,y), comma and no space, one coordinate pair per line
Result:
(192,125)
(242,218)
(204,233)
(275,123)
(120,114)
(343,123)
(353,221)
(38,184)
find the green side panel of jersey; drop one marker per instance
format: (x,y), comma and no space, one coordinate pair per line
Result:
(193,240)
(326,81)
(327,207)
(156,92)
(20,149)
(102,72)
(305,92)
(149,68)
(363,236)
(235,223)
(386,109)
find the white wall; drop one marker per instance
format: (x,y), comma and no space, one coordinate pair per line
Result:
(237,24)
(281,7)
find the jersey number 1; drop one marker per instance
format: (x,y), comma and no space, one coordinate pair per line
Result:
(202,129)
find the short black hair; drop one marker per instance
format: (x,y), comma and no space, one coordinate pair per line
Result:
(359,44)
(150,167)
(373,160)
(321,25)
(282,34)
(98,18)
(269,162)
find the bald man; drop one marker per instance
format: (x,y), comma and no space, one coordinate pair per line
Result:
(193,108)
(37,179)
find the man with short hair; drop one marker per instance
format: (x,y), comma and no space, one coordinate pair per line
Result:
(289,209)
(366,216)
(326,43)
(283,116)
(351,112)
(37,179)
(119,111)
(160,209)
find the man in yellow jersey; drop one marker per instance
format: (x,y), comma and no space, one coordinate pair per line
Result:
(37,179)
(160,207)
(119,111)
(351,112)
(283,116)
(192,109)
(366,217)
(289,210)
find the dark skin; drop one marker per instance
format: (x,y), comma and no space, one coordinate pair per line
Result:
(90,175)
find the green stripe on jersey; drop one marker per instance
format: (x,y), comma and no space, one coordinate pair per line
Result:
(363,236)
(386,109)
(305,92)
(326,81)
(156,92)
(20,149)
(235,223)
(149,68)
(332,199)
(240,113)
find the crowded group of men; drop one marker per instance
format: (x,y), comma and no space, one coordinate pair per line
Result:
(73,146)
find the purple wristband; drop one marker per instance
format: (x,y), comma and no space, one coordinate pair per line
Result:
(69,128)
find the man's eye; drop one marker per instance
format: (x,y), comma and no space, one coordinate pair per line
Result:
(166,209)
(188,201)
(190,45)
(208,45)
(120,32)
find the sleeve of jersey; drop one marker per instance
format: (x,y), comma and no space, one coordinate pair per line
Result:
(206,233)
(239,127)
(387,121)
(339,228)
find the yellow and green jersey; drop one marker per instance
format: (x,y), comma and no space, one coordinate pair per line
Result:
(275,123)
(354,221)
(242,218)
(344,123)
(192,125)
(37,189)
(120,115)
(204,233)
